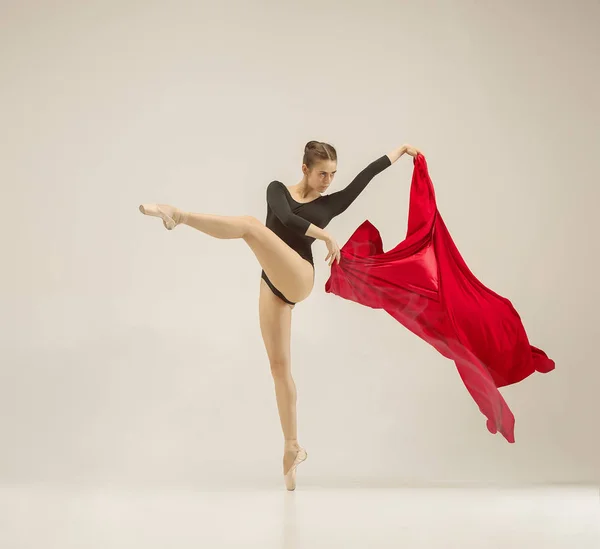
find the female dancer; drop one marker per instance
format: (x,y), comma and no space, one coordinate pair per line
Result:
(296,216)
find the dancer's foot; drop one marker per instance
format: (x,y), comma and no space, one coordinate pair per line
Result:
(171,216)
(293,456)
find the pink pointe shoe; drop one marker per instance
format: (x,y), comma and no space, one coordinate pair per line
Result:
(290,476)
(170,216)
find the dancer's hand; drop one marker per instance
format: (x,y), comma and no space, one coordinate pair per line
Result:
(412,151)
(334,250)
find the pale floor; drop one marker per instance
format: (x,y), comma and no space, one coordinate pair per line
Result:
(446,518)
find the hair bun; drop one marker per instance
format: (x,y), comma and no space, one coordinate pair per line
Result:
(311,145)
(316,151)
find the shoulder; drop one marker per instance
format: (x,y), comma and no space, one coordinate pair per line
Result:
(275,185)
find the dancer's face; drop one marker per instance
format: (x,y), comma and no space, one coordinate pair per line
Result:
(320,176)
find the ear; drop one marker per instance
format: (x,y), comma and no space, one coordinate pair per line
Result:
(304,169)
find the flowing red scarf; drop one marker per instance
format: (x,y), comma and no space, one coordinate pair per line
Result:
(425,284)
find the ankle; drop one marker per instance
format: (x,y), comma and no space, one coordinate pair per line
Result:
(291,444)
(181,216)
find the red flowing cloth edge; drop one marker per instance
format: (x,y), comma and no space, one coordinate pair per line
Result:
(425,284)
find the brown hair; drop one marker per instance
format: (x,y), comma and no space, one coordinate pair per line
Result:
(314,151)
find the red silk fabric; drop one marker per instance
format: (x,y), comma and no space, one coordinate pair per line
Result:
(425,284)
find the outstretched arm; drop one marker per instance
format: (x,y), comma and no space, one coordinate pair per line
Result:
(339,201)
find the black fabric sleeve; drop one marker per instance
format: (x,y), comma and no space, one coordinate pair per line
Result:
(339,201)
(277,200)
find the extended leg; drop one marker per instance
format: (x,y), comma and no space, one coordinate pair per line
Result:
(285,268)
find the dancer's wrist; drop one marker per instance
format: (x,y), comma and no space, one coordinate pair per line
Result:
(397,153)
(326,237)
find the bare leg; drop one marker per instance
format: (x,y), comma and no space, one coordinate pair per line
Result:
(292,275)
(289,272)
(275,325)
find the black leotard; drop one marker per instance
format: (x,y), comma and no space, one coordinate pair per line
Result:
(290,219)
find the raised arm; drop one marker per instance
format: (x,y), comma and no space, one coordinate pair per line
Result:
(339,201)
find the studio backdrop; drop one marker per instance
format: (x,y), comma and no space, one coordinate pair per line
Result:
(133,355)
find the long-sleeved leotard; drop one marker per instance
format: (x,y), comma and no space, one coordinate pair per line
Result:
(290,219)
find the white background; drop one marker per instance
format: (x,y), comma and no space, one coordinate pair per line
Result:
(131,354)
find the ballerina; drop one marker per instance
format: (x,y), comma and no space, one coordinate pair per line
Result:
(296,217)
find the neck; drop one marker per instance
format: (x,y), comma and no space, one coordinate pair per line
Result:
(304,190)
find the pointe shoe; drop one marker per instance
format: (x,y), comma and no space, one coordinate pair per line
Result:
(169,215)
(290,476)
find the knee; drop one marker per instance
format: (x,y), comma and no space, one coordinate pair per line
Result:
(251,224)
(280,368)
